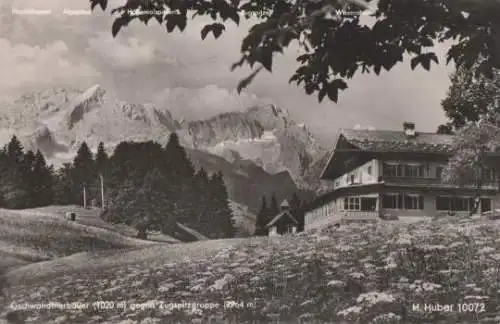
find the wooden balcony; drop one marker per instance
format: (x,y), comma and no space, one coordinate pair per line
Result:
(434,182)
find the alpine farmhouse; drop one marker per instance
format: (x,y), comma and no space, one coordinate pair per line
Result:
(382,174)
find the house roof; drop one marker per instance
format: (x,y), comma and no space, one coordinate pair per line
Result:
(354,147)
(397,141)
(280,215)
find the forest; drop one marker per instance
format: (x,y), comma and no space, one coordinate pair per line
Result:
(146,185)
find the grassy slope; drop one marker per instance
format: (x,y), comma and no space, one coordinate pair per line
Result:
(40,234)
(356,274)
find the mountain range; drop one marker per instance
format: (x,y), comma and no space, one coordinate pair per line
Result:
(260,150)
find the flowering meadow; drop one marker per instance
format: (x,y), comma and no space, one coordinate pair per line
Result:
(436,271)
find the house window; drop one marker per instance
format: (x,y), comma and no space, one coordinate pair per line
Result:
(403,201)
(443,203)
(368,204)
(489,175)
(454,203)
(485,204)
(352,203)
(413,202)
(390,201)
(369,170)
(392,170)
(413,171)
(439,172)
(352,178)
(461,204)
(427,172)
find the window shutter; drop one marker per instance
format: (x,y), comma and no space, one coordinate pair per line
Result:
(400,202)
(420,202)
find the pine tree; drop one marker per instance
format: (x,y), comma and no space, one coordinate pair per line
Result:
(43,181)
(26,169)
(177,160)
(15,150)
(84,173)
(295,201)
(223,223)
(101,159)
(63,186)
(274,209)
(201,191)
(15,185)
(180,175)
(262,219)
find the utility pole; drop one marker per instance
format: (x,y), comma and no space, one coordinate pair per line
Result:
(102,190)
(84,195)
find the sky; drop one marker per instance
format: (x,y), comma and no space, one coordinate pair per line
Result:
(191,77)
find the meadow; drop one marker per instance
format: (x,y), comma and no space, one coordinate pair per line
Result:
(389,272)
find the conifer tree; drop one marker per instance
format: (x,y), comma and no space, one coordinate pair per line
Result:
(26,169)
(15,186)
(223,223)
(201,190)
(101,159)
(84,173)
(262,219)
(42,183)
(274,209)
(295,201)
(15,150)
(180,172)
(63,186)
(177,160)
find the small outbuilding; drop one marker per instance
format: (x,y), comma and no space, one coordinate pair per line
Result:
(283,223)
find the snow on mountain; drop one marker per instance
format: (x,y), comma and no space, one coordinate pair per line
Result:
(58,120)
(226,127)
(264,134)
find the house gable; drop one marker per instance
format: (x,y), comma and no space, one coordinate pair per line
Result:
(344,157)
(280,217)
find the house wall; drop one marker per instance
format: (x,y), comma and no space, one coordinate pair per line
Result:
(333,210)
(361,175)
(325,212)
(429,207)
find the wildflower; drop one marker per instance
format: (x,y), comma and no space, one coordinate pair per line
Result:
(357,275)
(373,298)
(348,311)
(334,283)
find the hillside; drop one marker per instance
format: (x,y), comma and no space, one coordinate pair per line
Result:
(41,234)
(354,274)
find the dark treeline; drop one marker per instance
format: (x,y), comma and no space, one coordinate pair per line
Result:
(25,178)
(146,185)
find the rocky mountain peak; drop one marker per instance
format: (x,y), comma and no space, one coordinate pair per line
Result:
(85,102)
(230,126)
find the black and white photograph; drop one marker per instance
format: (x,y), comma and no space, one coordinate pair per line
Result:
(249,161)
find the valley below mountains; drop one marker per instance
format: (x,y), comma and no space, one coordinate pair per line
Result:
(260,150)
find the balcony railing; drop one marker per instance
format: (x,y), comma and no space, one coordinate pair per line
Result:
(434,182)
(359,215)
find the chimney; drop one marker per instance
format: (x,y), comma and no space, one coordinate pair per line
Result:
(409,129)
